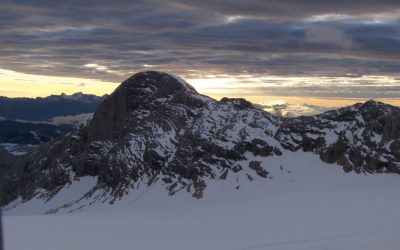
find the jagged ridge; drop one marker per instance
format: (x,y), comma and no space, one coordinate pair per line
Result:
(155,127)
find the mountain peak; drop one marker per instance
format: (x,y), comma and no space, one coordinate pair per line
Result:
(372,104)
(143,92)
(372,109)
(159,84)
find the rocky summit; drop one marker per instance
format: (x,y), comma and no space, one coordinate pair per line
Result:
(156,128)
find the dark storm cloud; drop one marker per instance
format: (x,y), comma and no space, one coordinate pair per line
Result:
(286,37)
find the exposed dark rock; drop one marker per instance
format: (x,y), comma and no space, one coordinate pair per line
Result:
(256,166)
(395,148)
(236,168)
(6,161)
(257,147)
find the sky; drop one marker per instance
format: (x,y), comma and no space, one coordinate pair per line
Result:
(288,56)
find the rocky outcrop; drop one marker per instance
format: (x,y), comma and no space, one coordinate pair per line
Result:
(359,137)
(256,166)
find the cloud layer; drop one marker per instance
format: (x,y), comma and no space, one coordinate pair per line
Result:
(351,44)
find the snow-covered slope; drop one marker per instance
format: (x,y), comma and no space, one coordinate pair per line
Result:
(305,205)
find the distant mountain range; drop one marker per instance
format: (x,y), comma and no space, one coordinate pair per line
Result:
(32,121)
(46,108)
(156,128)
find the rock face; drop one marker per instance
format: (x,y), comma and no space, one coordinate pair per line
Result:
(6,161)
(157,128)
